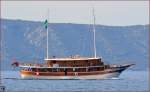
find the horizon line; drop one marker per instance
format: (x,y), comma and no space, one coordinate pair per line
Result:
(73,22)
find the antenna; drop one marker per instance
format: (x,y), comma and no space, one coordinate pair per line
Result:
(94,43)
(47,49)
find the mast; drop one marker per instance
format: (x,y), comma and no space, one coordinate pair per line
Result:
(94,43)
(47,49)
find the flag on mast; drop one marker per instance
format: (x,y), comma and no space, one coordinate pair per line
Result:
(46,23)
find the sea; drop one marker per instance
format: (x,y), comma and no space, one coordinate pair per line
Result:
(128,81)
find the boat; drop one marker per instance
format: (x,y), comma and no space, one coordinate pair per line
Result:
(73,67)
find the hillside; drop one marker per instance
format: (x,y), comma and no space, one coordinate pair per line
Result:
(25,41)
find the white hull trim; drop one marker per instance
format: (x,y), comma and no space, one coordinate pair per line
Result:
(99,76)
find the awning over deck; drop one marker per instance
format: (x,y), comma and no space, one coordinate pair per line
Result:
(56,67)
(71,59)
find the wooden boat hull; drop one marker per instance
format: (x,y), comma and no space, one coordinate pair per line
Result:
(99,76)
(107,73)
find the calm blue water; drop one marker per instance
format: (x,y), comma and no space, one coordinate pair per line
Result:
(128,81)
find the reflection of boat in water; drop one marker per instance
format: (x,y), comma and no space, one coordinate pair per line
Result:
(71,68)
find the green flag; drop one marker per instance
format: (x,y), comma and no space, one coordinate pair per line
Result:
(46,23)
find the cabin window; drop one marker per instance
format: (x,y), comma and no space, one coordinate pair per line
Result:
(87,69)
(49,70)
(55,69)
(74,70)
(55,65)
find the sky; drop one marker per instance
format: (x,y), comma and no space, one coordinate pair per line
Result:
(106,12)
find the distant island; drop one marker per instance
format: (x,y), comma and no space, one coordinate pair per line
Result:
(25,41)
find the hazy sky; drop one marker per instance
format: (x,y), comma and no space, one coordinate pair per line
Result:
(107,12)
